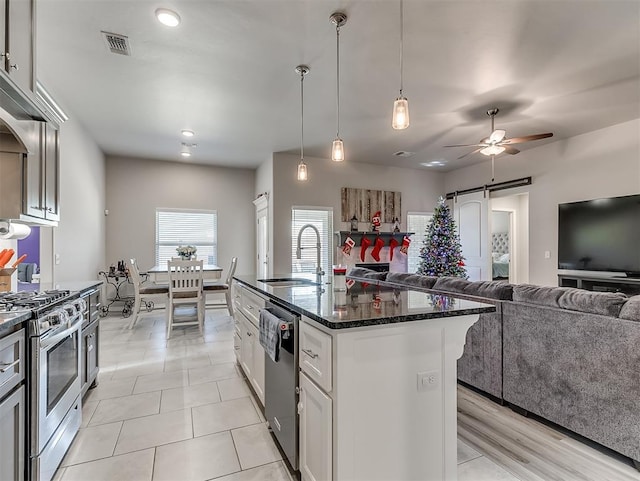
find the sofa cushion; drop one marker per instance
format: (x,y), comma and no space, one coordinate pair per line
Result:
(408,279)
(539,295)
(451,284)
(603,303)
(631,309)
(490,289)
(365,273)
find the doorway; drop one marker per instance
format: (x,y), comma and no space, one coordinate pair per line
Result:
(510,238)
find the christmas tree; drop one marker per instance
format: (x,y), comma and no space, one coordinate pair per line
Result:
(441,253)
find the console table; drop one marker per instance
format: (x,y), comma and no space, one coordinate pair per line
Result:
(626,285)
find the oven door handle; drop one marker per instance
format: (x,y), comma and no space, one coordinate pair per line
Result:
(46,343)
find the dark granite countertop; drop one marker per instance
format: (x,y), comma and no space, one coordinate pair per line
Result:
(364,304)
(9,320)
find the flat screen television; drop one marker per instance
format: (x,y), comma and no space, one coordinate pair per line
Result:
(600,235)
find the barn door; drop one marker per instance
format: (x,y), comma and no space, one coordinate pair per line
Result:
(471,212)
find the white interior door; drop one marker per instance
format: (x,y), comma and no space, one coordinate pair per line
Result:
(471,212)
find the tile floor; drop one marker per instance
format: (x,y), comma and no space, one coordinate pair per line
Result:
(180,410)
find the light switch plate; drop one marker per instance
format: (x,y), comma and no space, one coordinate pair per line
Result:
(428,381)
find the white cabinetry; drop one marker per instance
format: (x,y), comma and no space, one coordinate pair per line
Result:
(316,439)
(379,402)
(251,354)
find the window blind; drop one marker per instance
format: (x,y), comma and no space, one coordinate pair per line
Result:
(322,219)
(416,222)
(178,227)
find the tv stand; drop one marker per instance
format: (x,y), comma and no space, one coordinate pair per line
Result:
(590,282)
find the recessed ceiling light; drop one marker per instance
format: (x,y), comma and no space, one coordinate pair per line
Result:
(168,17)
(403,153)
(188,133)
(434,163)
(185,153)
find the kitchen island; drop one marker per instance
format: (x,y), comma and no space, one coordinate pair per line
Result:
(377,378)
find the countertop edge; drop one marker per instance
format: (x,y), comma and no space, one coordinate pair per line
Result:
(367,322)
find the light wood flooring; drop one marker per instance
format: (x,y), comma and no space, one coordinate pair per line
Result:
(530,450)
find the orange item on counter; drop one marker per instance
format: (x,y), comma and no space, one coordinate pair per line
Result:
(6,257)
(20,259)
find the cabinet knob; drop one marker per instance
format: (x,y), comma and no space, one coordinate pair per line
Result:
(14,66)
(5,55)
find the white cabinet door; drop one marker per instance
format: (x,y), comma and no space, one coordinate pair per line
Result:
(12,422)
(316,431)
(246,348)
(257,371)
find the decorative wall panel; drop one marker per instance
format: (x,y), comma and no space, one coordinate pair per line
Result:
(363,203)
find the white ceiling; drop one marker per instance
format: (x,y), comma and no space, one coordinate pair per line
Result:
(227,72)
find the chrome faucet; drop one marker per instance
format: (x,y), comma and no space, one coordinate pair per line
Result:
(319,271)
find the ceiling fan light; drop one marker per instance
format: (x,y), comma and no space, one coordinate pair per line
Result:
(302,171)
(493,150)
(168,17)
(337,150)
(497,136)
(188,133)
(400,118)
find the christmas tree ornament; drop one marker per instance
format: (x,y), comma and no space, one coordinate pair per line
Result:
(441,252)
(377,246)
(363,247)
(393,243)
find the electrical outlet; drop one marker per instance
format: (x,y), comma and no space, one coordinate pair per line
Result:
(57,259)
(547,254)
(428,381)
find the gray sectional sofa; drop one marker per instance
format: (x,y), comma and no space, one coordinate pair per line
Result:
(567,355)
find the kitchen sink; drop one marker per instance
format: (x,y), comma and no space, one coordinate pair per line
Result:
(287,282)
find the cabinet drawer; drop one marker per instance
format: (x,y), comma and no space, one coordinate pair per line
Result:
(12,361)
(315,355)
(251,305)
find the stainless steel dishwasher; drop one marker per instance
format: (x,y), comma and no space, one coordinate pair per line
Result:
(281,386)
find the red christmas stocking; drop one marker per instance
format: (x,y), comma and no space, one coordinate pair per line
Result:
(405,244)
(348,245)
(363,247)
(375,253)
(393,243)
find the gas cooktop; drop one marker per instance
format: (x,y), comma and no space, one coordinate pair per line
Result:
(31,301)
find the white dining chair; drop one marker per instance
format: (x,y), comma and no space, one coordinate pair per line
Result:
(222,288)
(146,295)
(185,290)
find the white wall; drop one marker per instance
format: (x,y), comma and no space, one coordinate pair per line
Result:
(79,238)
(420,191)
(604,163)
(136,187)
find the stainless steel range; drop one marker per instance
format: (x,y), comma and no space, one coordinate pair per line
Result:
(53,374)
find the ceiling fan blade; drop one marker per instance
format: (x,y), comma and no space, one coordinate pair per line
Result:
(472,152)
(510,150)
(526,138)
(497,135)
(465,145)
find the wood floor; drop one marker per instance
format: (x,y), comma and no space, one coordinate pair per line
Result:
(531,450)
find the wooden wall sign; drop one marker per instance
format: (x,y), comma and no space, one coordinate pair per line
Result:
(363,203)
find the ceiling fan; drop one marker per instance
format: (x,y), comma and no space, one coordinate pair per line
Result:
(497,143)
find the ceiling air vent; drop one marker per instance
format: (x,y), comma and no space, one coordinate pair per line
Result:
(117,43)
(403,153)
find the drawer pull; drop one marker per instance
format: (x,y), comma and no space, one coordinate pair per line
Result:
(249,307)
(310,353)
(249,334)
(5,367)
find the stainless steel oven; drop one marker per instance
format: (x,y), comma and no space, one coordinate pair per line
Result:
(55,378)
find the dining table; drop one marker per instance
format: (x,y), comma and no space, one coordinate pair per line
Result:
(160,274)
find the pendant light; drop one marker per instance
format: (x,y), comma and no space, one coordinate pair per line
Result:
(400,118)
(337,150)
(302,70)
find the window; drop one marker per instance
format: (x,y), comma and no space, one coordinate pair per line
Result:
(175,227)
(416,222)
(322,219)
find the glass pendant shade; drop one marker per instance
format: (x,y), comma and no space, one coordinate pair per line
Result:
(302,171)
(493,150)
(337,151)
(400,119)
